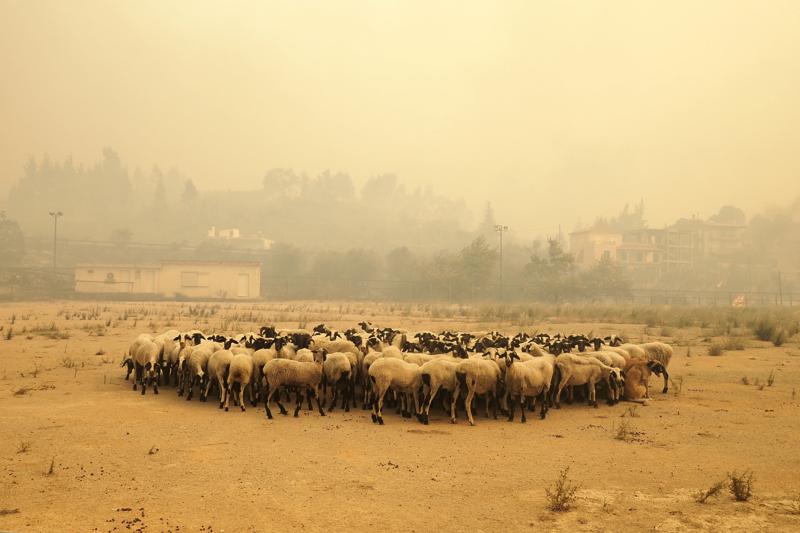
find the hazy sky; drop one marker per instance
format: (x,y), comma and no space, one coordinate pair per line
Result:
(553,111)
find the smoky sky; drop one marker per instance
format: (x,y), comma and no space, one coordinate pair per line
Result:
(554,112)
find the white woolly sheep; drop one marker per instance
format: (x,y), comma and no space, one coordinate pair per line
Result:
(145,360)
(440,374)
(479,377)
(580,370)
(217,372)
(529,379)
(240,373)
(337,369)
(404,378)
(285,372)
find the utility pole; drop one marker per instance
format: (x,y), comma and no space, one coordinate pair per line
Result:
(55,215)
(499,228)
(780,289)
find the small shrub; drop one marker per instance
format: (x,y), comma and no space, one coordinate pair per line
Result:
(733,343)
(67,362)
(24,447)
(716,348)
(562,494)
(741,485)
(771,378)
(8,511)
(623,432)
(713,490)
(100,352)
(780,337)
(765,329)
(9,334)
(745,381)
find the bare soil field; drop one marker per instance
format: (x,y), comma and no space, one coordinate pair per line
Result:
(80,451)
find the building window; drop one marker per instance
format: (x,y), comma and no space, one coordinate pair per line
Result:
(194,279)
(190,279)
(606,255)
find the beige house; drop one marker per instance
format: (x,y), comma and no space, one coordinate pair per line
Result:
(591,245)
(189,279)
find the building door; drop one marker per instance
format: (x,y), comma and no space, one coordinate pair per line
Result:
(243,286)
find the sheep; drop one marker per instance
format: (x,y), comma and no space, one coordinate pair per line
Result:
(580,370)
(662,353)
(403,377)
(282,372)
(616,360)
(529,379)
(169,350)
(260,358)
(366,387)
(145,359)
(240,373)
(479,376)
(217,370)
(440,373)
(637,375)
(337,368)
(195,368)
(127,359)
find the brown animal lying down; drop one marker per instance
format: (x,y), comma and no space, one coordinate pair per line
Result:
(637,375)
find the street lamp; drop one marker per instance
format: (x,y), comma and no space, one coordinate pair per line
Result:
(55,215)
(499,228)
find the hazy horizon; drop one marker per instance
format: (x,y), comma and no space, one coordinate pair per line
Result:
(554,113)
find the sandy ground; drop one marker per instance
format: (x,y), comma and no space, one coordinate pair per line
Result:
(124,462)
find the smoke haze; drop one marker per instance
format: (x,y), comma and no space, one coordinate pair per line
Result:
(554,112)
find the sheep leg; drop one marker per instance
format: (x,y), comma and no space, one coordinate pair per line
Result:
(377,406)
(135,375)
(592,394)
(253,395)
(427,403)
(299,403)
(241,397)
(334,396)
(468,405)
(543,398)
(145,377)
(317,395)
(155,382)
(418,409)
(348,395)
(562,383)
(522,400)
(308,398)
(267,398)
(511,406)
(666,381)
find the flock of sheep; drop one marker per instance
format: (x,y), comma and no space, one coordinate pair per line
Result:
(367,364)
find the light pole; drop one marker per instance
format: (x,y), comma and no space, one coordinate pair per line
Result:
(55,215)
(499,228)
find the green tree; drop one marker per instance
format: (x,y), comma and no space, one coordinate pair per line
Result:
(12,243)
(477,262)
(550,275)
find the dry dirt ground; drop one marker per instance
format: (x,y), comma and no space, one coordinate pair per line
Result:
(81,452)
